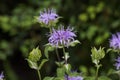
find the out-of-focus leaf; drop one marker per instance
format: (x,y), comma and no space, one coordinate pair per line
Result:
(91,31)
(91,9)
(83,69)
(83,17)
(100,7)
(104,78)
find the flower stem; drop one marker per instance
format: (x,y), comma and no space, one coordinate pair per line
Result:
(50,29)
(39,75)
(58,57)
(64,55)
(119,76)
(96,76)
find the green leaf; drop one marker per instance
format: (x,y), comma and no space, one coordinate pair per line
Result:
(109,50)
(100,7)
(3,56)
(42,63)
(97,54)
(91,9)
(66,56)
(48,48)
(91,31)
(48,78)
(35,55)
(104,78)
(92,16)
(72,44)
(83,17)
(59,63)
(89,78)
(83,69)
(32,65)
(59,78)
(60,72)
(67,68)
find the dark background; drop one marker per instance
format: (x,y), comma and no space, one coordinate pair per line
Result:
(93,20)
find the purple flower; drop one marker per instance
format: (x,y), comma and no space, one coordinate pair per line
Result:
(115,41)
(74,78)
(1,76)
(61,37)
(117,64)
(48,16)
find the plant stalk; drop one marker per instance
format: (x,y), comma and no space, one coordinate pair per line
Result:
(64,55)
(39,75)
(97,70)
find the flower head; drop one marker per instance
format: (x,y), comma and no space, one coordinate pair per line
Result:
(1,76)
(48,16)
(74,78)
(117,64)
(115,41)
(61,37)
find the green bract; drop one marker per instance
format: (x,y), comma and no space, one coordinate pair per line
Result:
(35,55)
(97,54)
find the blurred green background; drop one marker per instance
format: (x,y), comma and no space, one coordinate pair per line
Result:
(94,22)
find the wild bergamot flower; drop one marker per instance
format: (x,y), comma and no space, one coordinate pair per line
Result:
(47,16)
(117,64)
(61,37)
(115,41)
(1,76)
(74,78)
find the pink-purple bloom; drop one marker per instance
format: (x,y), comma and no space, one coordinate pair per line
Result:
(61,37)
(117,64)
(74,78)
(1,76)
(47,16)
(115,41)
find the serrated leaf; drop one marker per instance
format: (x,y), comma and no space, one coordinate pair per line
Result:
(42,63)
(32,65)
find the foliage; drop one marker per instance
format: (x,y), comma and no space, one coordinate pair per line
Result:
(94,22)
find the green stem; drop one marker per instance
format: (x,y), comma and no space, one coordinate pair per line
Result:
(119,76)
(39,75)
(64,55)
(50,29)
(96,76)
(58,57)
